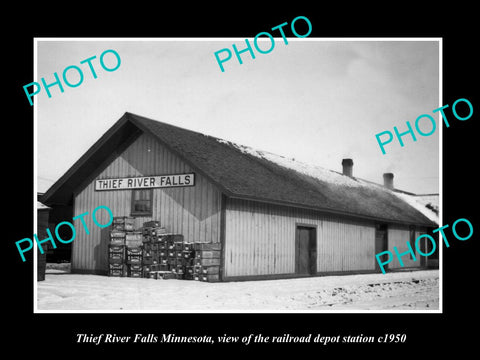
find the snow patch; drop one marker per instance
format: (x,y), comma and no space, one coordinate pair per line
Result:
(400,290)
(422,204)
(317,172)
(416,203)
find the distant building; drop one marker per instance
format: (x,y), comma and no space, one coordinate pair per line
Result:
(42,225)
(273,216)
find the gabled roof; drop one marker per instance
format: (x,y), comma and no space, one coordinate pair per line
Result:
(242,172)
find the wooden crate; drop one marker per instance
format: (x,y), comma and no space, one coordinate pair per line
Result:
(151,223)
(189,270)
(152,275)
(156,267)
(117,270)
(208,254)
(134,250)
(135,274)
(188,262)
(135,267)
(188,254)
(188,246)
(116,258)
(147,268)
(179,269)
(155,257)
(118,226)
(133,238)
(209,270)
(206,262)
(171,238)
(126,225)
(134,255)
(123,220)
(162,253)
(133,243)
(115,267)
(116,248)
(207,278)
(172,262)
(157,230)
(117,240)
(207,246)
(117,233)
(147,251)
(163,267)
(188,276)
(134,259)
(165,275)
(115,273)
(147,260)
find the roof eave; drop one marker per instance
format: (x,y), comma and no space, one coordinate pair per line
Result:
(50,196)
(427,223)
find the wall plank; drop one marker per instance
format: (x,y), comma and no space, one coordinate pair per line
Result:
(260,240)
(191,211)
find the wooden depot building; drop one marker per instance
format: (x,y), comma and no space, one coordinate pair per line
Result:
(272,217)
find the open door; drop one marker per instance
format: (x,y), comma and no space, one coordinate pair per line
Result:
(305,250)
(381,244)
(423,249)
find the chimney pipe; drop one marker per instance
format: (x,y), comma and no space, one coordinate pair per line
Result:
(347,167)
(388,180)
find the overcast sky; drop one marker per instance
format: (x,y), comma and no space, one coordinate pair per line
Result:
(313,100)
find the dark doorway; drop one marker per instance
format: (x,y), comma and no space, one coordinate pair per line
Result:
(305,250)
(381,244)
(423,250)
(63,252)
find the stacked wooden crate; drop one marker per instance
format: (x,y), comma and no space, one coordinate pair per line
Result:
(116,259)
(134,261)
(151,252)
(117,246)
(207,262)
(180,258)
(155,265)
(188,258)
(171,254)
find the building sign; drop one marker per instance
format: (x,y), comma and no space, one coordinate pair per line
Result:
(145,182)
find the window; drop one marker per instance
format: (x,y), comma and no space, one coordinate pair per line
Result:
(142,202)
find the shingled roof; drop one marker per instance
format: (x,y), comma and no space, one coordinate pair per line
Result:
(243,172)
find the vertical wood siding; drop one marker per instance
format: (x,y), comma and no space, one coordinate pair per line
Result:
(260,240)
(191,211)
(399,236)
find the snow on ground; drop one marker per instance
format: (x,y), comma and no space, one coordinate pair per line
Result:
(407,290)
